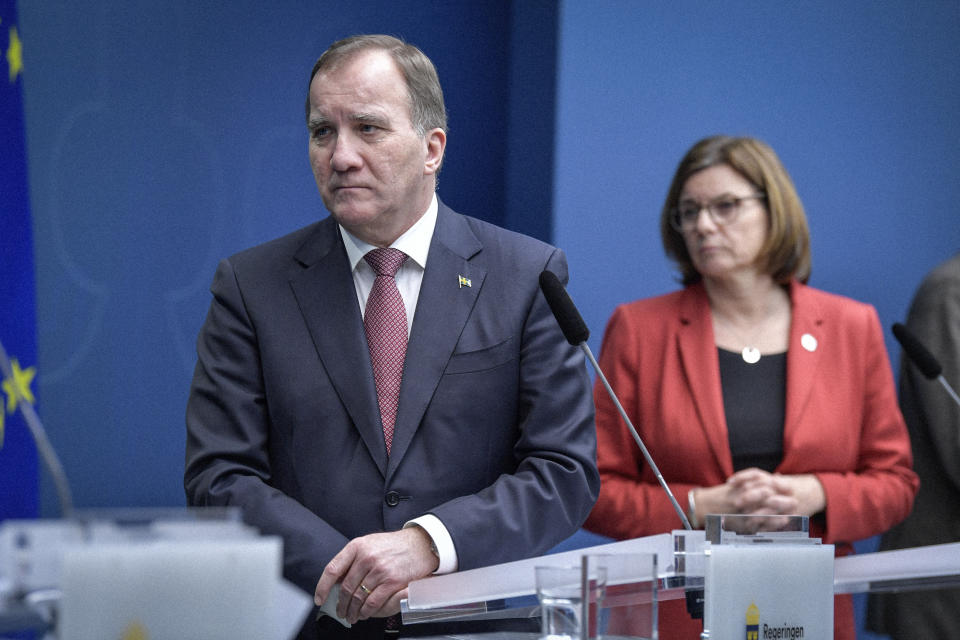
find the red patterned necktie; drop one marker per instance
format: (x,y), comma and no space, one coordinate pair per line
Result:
(385,323)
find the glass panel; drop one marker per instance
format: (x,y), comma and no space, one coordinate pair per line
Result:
(628,608)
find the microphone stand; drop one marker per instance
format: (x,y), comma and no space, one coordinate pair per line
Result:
(946,385)
(39,435)
(636,437)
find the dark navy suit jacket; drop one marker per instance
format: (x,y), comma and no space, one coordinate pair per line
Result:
(494,433)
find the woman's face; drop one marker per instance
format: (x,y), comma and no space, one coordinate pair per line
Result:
(727,240)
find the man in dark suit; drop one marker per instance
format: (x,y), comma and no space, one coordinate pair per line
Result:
(472,443)
(933,419)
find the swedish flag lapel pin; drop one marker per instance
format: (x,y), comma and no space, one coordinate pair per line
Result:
(464,282)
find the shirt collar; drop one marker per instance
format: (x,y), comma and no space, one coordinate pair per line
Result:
(415,241)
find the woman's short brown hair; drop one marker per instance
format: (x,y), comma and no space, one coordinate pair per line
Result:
(786,253)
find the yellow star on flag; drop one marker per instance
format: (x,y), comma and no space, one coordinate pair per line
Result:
(14,54)
(19,385)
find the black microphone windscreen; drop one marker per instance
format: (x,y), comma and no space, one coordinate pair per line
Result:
(571,323)
(929,366)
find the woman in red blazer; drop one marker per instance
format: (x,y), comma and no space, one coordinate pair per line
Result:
(755,393)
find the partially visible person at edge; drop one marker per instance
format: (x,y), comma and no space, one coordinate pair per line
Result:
(474,448)
(933,420)
(755,393)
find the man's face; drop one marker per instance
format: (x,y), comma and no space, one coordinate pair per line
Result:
(374,173)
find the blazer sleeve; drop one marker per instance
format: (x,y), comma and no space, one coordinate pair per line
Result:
(632,503)
(554,482)
(935,319)
(227,455)
(878,491)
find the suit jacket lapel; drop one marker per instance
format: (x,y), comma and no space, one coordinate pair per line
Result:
(698,354)
(442,311)
(328,300)
(803,359)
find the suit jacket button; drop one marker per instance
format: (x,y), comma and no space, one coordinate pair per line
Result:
(392,498)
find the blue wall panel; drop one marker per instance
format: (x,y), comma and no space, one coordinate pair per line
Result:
(859,99)
(165,136)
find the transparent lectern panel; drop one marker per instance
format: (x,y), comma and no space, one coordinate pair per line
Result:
(508,590)
(570,598)
(628,607)
(745,529)
(118,525)
(493,589)
(929,567)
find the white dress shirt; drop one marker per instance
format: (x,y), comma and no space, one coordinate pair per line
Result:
(415,242)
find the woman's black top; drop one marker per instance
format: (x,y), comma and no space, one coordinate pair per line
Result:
(754,401)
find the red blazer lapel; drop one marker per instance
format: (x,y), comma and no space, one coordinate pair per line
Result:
(803,359)
(701,367)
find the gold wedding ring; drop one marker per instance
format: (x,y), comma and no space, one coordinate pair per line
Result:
(364,589)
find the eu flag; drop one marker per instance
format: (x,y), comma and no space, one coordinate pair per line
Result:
(18,457)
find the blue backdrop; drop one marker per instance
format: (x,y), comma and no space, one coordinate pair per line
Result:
(167,136)
(163,136)
(859,99)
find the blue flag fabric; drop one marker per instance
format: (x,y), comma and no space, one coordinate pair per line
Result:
(19,476)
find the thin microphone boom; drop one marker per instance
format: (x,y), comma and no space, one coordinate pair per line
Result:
(576,332)
(39,435)
(929,366)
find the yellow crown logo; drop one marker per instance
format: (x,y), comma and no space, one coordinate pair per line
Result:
(135,631)
(753,622)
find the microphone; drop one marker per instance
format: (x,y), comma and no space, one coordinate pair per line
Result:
(929,366)
(576,332)
(571,322)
